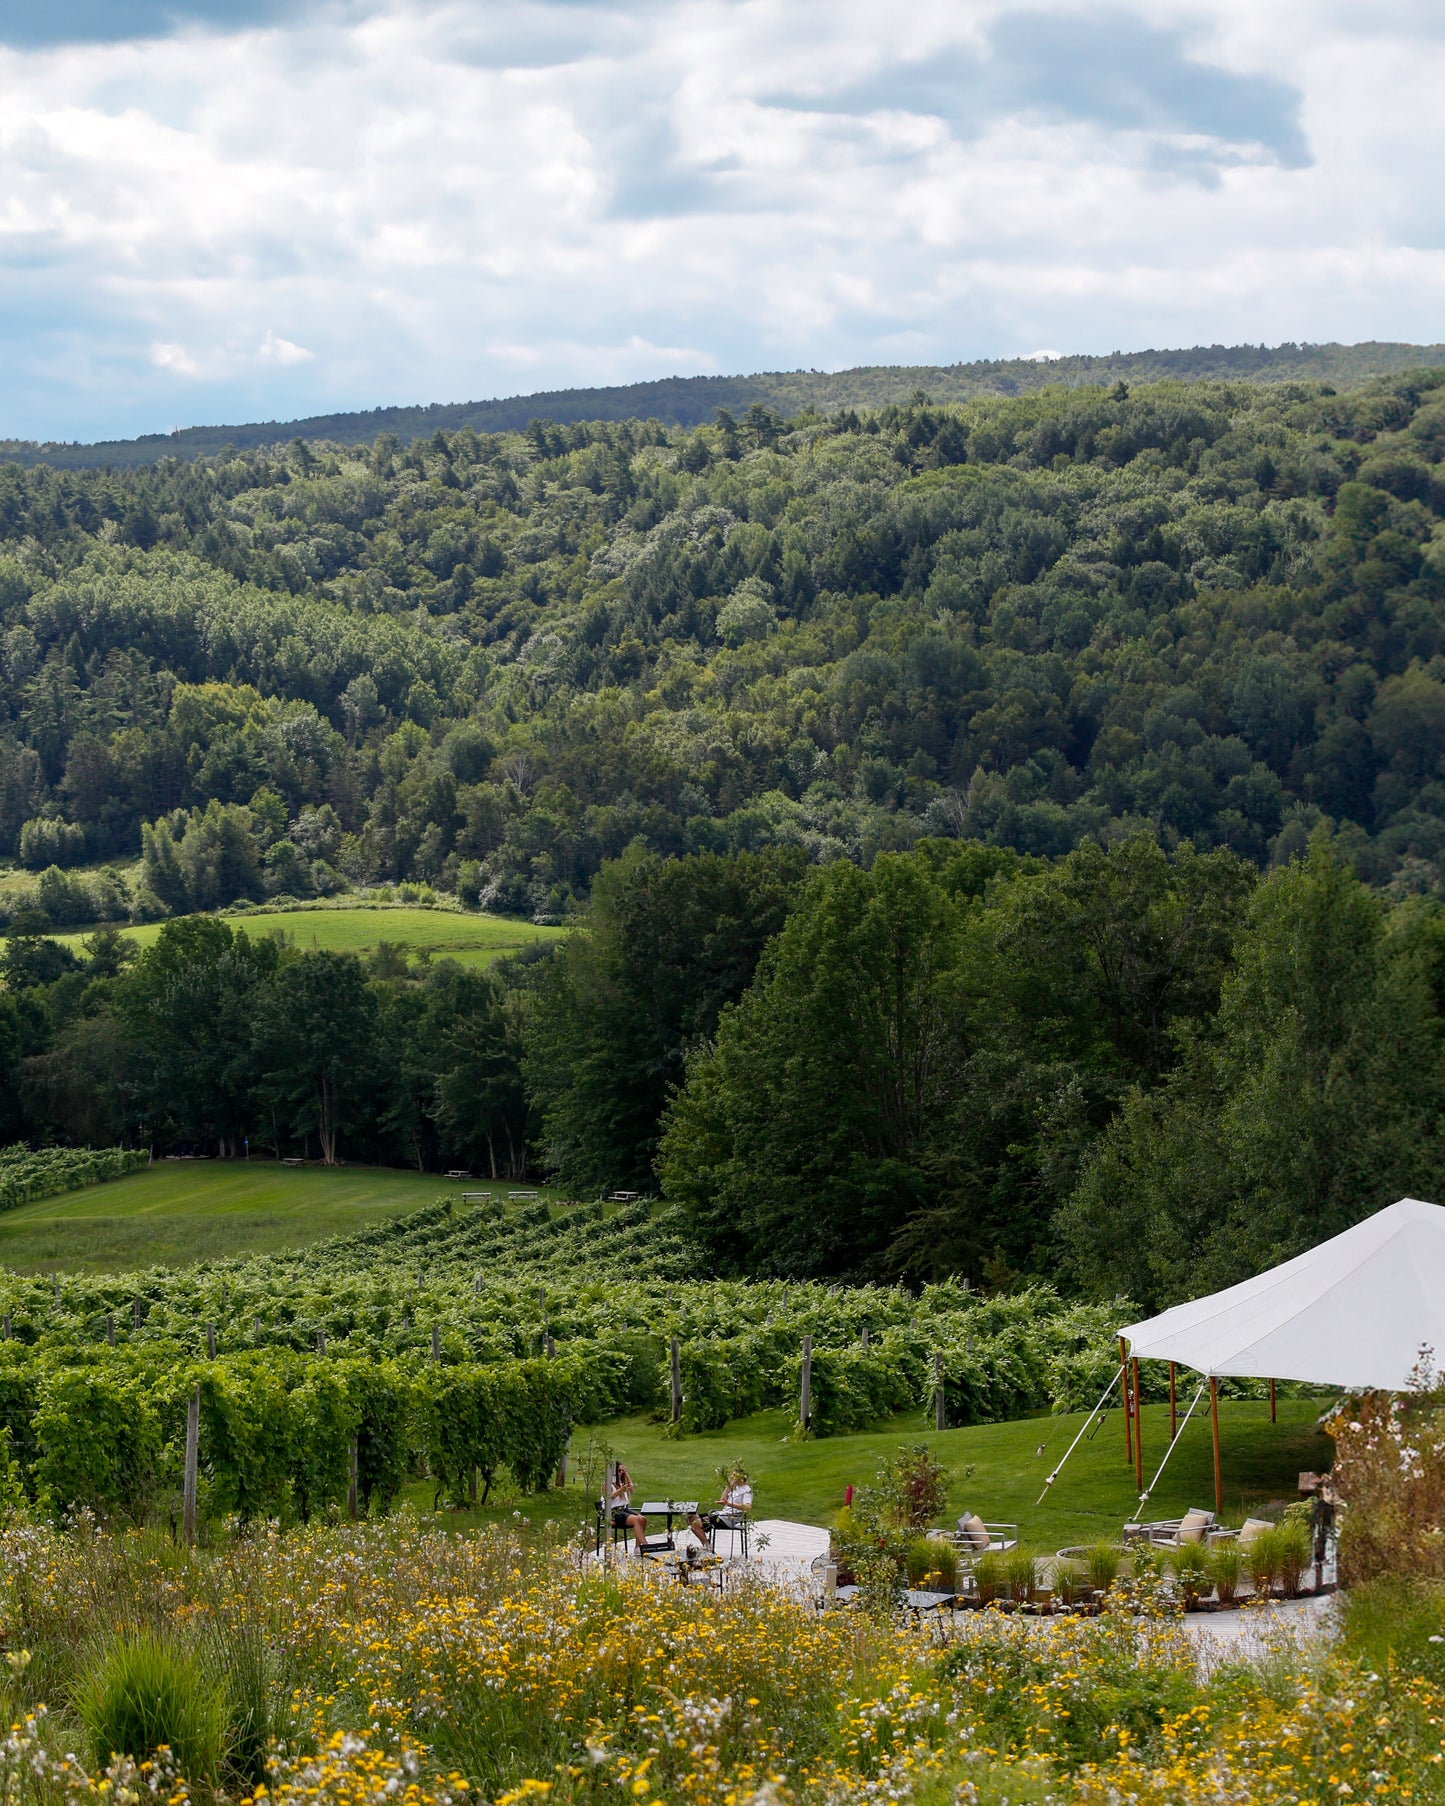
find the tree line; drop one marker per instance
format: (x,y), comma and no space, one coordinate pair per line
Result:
(1148,1071)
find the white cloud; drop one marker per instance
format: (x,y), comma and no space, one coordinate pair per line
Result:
(174,358)
(275,350)
(418,201)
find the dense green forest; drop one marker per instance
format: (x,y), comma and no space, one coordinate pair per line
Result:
(491,663)
(1007,837)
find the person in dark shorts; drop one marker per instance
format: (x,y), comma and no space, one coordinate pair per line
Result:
(619,1508)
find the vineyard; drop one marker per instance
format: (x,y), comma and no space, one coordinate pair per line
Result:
(467,1337)
(26,1176)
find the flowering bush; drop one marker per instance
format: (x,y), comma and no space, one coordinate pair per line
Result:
(1389,1470)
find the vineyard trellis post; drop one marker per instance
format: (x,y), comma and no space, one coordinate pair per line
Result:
(805,1388)
(863,1339)
(7,1326)
(135,1313)
(211,1341)
(110,1328)
(321,1341)
(193,1454)
(436,1343)
(940,1402)
(675,1360)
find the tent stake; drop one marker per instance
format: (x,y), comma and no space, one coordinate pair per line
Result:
(1128,1423)
(1173,1432)
(1138,1430)
(1271,1402)
(1214,1419)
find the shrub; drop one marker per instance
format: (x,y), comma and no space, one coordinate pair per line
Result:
(914,1485)
(1390,1471)
(146,1692)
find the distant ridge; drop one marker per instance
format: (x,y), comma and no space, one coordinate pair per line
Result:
(691,400)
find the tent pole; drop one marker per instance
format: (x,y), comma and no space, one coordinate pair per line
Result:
(1173,1432)
(1128,1420)
(1271,1402)
(1138,1430)
(1214,1420)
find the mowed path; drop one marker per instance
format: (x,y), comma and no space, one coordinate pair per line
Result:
(184,1210)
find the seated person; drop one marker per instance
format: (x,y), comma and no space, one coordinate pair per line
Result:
(696,1536)
(619,1508)
(736,1501)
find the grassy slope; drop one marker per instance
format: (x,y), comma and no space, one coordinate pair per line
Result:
(181,1211)
(473,940)
(1094,1495)
(994,1469)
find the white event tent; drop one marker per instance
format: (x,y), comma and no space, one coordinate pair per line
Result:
(1356,1312)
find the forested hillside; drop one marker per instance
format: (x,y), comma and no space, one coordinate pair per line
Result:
(993,738)
(491,663)
(692,400)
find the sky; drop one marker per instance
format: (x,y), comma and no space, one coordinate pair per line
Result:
(228,210)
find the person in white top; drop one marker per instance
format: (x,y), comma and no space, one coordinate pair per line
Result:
(736,1501)
(619,1507)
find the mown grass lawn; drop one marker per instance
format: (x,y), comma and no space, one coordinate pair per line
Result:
(179,1211)
(994,1469)
(472,940)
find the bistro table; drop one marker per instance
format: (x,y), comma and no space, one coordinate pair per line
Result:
(681,1509)
(668,1509)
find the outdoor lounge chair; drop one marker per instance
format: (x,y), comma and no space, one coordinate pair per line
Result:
(974,1536)
(1172,1533)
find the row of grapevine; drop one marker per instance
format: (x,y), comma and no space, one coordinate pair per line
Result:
(105,1431)
(26,1176)
(462,1285)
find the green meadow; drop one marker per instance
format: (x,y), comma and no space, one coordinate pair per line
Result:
(180,1211)
(996,1469)
(472,940)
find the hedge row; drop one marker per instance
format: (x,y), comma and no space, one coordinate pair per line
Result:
(26,1176)
(107,1434)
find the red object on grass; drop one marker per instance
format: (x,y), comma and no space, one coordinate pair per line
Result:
(847,1495)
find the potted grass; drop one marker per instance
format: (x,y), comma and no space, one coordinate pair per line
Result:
(1294,1557)
(1101,1570)
(1191,1574)
(1066,1578)
(1021,1575)
(989,1580)
(1226,1564)
(932,1565)
(1264,1562)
